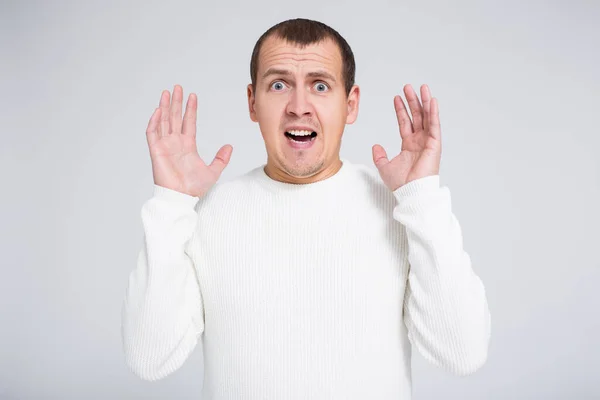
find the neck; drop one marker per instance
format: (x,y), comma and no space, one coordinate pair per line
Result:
(281,176)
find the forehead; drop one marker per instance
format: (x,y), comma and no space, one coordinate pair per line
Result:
(278,53)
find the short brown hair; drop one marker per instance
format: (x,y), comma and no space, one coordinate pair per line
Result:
(304,32)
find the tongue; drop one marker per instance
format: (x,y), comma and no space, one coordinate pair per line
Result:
(301,138)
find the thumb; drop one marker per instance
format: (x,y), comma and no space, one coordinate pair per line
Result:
(221,159)
(379,156)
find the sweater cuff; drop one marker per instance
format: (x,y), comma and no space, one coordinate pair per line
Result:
(418,186)
(174,196)
(425,199)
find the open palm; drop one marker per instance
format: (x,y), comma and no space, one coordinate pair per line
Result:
(421,149)
(176,163)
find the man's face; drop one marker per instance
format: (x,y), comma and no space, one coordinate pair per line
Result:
(301,90)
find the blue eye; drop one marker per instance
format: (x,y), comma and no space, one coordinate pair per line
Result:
(277,85)
(321,87)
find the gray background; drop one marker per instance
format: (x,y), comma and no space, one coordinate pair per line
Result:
(518,90)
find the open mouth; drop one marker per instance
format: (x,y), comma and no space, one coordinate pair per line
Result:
(301,136)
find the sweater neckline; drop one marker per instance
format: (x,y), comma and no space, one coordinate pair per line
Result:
(279,186)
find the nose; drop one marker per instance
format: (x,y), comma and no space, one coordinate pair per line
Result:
(299,104)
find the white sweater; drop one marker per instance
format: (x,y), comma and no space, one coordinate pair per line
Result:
(313,291)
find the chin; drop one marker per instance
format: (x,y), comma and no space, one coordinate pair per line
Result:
(302,168)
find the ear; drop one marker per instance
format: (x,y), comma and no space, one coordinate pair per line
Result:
(352,102)
(251,99)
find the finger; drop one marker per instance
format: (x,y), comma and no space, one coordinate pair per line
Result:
(404,121)
(189,118)
(415,107)
(221,160)
(152,130)
(163,128)
(426,97)
(176,105)
(435,128)
(379,156)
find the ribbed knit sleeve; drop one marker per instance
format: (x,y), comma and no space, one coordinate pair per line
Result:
(445,309)
(162,314)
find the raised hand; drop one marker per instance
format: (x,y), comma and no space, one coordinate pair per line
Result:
(421,150)
(176,164)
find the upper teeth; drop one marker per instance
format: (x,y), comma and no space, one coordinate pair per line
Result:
(300,133)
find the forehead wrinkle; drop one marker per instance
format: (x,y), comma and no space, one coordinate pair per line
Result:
(281,62)
(323,56)
(281,49)
(294,59)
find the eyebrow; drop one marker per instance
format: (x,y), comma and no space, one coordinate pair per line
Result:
(285,72)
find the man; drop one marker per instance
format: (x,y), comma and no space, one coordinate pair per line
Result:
(308,277)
